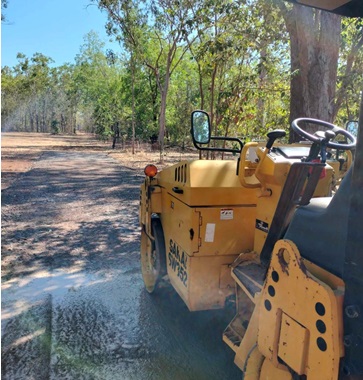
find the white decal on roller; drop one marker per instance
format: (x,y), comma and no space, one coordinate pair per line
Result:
(209,233)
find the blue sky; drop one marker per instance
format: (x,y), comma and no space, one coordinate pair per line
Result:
(54,28)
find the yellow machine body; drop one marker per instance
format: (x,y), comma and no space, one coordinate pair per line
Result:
(209,217)
(221,227)
(295,321)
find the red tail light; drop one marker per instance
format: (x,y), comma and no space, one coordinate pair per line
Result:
(151,170)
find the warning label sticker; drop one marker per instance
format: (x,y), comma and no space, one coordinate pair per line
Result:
(226,214)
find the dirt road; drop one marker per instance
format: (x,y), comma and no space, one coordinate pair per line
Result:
(73,302)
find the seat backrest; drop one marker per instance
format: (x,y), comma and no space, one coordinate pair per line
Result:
(320,229)
(298,189)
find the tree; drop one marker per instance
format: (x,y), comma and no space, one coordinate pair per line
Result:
(350,71)
(314,47)
(154,31)
(98,85)
(31,81)
(241,64)
(36,97)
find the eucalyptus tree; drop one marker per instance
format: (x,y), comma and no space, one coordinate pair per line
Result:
(65,100)
(241,65)
(183,98)
(10,97)
(154,31)
(98,82)
(37,97)
(350,71)
(316,51)
(31,81)
(42,89)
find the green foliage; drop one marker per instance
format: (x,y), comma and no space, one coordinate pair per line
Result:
(33,96)
(230,58)
(350,71)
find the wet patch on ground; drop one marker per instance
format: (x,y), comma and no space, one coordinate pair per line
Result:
(74,305)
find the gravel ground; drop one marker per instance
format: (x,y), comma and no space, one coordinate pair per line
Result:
(73,302)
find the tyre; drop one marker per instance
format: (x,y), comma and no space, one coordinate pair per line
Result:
(153,256)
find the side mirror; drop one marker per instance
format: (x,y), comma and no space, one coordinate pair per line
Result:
(352,127)
(200,127)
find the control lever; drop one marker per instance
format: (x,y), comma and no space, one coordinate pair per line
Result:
(325,138)
(272,136)
(320,147)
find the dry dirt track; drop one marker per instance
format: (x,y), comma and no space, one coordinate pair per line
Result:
(73,303)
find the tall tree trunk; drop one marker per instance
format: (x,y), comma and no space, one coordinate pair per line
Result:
(133,102)
(314,47)
(164,88)
(262,79)
(74,119)
(44,115)
(154,97)
(347,79)
(201,91)
(31,120)
(162,117)
(212,113)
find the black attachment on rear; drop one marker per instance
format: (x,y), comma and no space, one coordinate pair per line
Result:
(298,190)
(251,276)
(353,272)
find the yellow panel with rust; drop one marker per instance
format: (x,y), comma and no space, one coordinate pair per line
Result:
(226,230)
(143,203)
(293,344)
(150,199)
(180,223)
(270,372)
(201,282)
(207,231)
(155,200)
(323,275)
(291,289)
(197,269)
(206,288)
(249,339)
(255,361)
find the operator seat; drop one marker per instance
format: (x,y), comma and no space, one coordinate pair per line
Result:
(319,229)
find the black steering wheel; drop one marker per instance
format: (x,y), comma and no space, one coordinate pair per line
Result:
(329,126)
